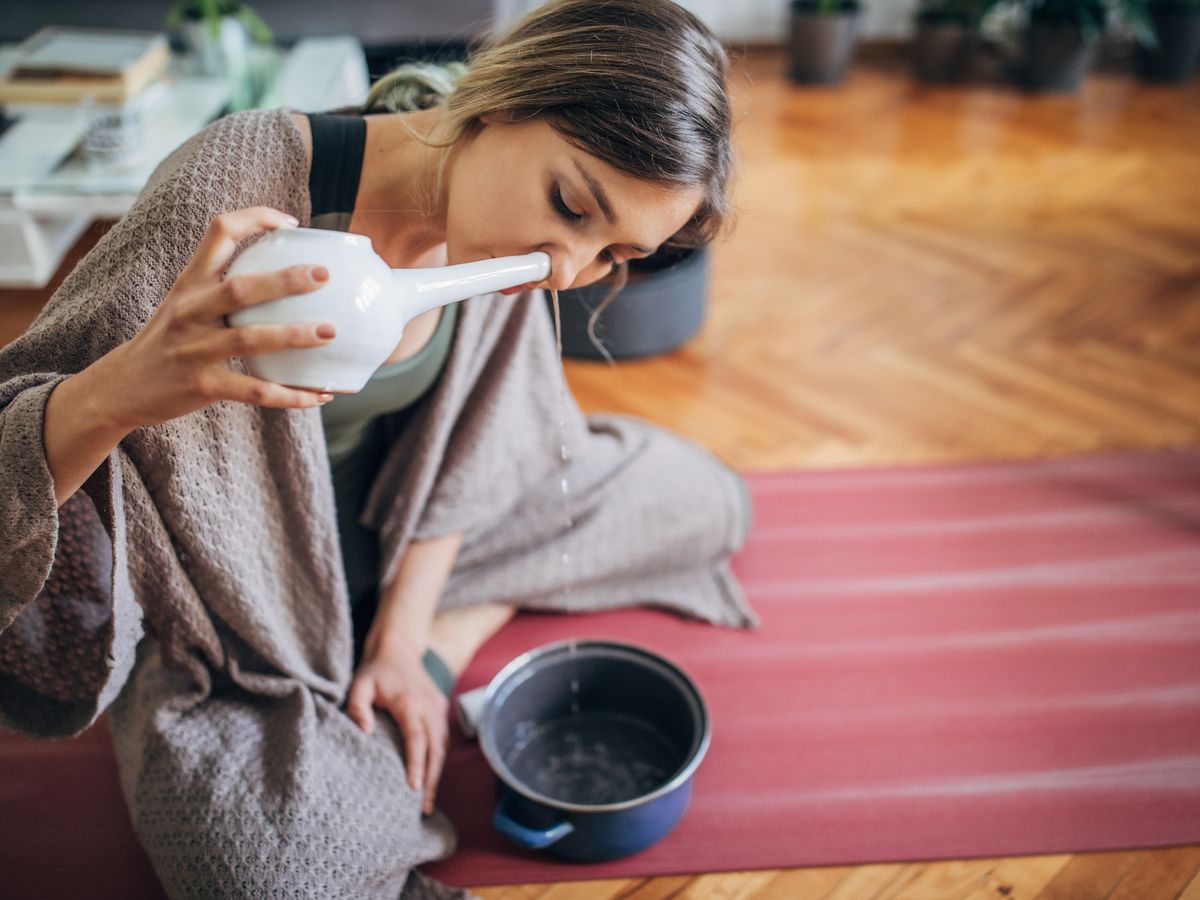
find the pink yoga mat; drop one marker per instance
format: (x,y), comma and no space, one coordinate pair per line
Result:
(953,662)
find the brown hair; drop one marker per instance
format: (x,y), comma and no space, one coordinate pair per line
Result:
(639,84)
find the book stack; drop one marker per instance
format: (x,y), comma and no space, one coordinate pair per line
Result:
(74,65)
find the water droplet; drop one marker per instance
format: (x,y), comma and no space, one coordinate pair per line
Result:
(563,454)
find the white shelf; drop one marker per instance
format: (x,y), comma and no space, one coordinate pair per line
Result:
(49,193)
(183,107)
(31,248)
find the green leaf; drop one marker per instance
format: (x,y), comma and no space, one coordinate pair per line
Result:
(1138,14)
(258,29)
(212,11)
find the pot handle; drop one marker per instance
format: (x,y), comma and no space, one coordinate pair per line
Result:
(532,838)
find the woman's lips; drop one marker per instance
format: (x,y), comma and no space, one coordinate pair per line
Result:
(518,288)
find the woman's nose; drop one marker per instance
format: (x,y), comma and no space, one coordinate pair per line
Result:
(564,270)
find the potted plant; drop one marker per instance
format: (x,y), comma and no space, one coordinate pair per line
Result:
(945,31)
(822,40)
(217,32)
(1177,27)
(1061,37)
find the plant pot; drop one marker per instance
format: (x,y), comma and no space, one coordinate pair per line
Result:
(1057,56)
(227,54)
(821,45)
(661,306)
(940,50)
(1175,58)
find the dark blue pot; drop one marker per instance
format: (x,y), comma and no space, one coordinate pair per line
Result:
(594,745)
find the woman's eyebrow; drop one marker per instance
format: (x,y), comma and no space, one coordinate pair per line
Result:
(602,201)
(598,193)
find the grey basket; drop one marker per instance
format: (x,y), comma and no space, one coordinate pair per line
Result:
(659,309)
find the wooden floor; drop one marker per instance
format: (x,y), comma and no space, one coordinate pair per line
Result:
(923,275)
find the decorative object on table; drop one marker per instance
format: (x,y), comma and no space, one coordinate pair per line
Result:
(1177,54)
(823,36)
(115,135)
(1061,37)
(660,307)
(946,31)
(594,745)
(71,65)
(218,34)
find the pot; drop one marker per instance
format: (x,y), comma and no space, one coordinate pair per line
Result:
(594,745)
(940,51)
(1057,56)
(1175,58)
(224,53)
(821,45)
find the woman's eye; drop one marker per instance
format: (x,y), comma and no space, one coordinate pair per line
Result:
(563,210)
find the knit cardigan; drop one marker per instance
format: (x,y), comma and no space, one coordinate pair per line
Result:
(193,587)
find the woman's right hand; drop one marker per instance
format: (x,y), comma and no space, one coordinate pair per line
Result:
(179,362)
(394,679)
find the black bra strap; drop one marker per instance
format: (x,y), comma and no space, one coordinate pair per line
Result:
(338,144)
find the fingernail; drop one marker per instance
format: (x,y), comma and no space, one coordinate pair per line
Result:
(320,273)
(326,330)
(292,220)
(324,398)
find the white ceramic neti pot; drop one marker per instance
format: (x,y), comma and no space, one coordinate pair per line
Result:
(369,302)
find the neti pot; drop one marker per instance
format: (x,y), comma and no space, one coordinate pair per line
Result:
(369,302)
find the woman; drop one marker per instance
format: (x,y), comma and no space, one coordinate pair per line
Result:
(183,544)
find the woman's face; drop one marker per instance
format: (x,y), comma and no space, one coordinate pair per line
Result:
(519,187)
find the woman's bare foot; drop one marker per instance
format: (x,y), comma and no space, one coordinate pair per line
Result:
(457,634)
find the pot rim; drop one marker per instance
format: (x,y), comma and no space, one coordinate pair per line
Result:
(506,674)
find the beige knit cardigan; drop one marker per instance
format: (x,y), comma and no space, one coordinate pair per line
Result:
(194,588)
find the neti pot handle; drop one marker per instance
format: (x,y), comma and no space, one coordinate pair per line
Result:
(532,838)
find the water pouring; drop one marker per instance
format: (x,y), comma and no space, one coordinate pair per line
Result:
(369,302)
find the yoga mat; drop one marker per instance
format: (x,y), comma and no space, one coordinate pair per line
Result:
(953,662)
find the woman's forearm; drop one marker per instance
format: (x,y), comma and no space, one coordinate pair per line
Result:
(407,605)
(79,429)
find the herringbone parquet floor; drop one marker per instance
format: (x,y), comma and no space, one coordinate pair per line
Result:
(922,275)
(927,274)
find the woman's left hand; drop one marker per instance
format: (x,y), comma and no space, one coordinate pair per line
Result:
(395,680)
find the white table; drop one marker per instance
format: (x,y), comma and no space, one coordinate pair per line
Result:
(49,193)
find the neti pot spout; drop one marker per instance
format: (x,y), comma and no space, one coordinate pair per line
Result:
(424,289)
